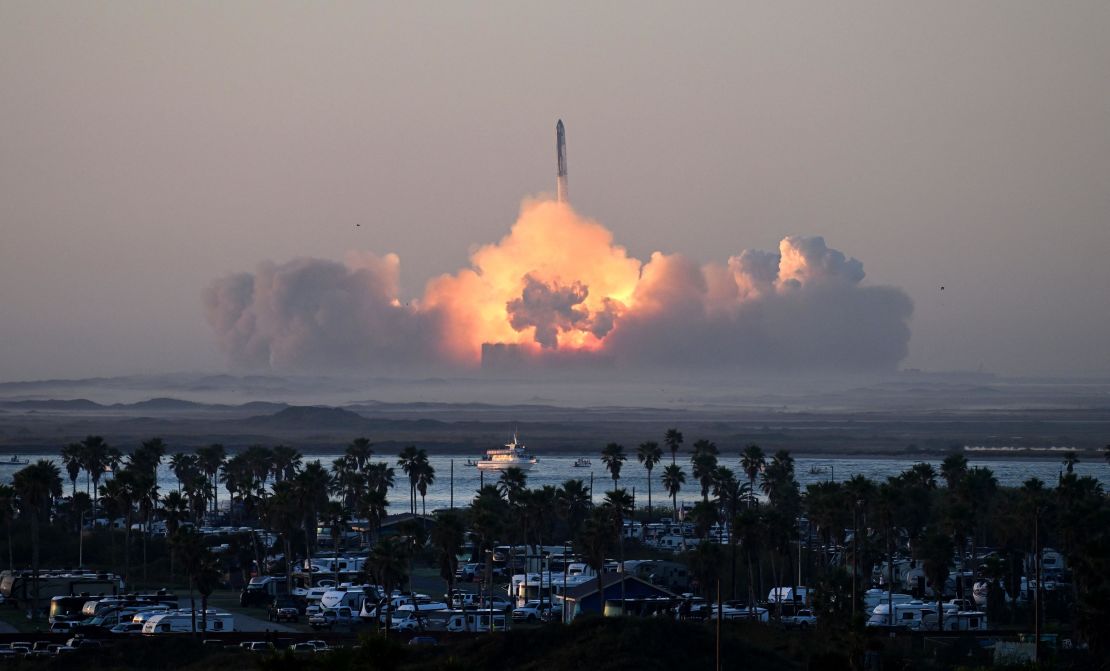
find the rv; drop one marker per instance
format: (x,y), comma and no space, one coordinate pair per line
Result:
(262,590)
(877,597)
(180,621)
(955,620)
(350,596)
(910,615)
(799,594)
(476,622)
(18,586)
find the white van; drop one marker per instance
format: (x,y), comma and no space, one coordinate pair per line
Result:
(954,620)
(789,594)
(182,621)
(476,622)
(909,615)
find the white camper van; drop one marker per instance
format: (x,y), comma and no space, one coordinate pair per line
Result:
(476,622)
(180,621)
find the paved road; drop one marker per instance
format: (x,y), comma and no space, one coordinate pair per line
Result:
(255,624)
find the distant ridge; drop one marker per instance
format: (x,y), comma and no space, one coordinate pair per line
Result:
(312,417)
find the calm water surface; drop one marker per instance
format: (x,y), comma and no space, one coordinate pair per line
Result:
(555,470)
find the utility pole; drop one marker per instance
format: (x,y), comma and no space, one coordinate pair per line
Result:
(720,612)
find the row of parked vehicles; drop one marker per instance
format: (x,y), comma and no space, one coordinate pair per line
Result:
(129,614)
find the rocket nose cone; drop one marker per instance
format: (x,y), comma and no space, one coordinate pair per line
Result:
(559,125)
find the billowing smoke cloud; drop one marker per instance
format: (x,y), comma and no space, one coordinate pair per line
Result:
(555,286)
(313,313)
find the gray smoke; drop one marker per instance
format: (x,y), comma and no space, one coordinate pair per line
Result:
(318,314)
(802,308)
(552,307)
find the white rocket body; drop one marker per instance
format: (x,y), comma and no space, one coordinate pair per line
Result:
(561,153)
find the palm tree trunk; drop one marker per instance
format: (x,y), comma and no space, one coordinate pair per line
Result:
(751,585)
(35,564)
(289,564)
(193,605)
(778,592)
(127,549)
(146,526)
(649,494)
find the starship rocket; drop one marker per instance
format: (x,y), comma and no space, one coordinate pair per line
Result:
(561,153)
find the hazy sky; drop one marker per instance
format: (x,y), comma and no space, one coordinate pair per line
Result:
(147,148)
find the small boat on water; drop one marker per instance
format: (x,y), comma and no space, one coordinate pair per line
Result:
(582,462)
(818,470)
(15,461)
(512,455)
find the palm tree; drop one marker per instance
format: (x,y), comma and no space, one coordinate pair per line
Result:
(619,504)
(146,492)
(72,455)
(613,457)
(210,460)
(936,553)
(312,486)
(149,457)
(673,439)
(188,544)
(7,517)
(425,477)
(388,563)
(287,461)
(175,509)
(1071,458)
(593,541)
(922,475)
(752,461)
(747,526)
(97,456)
(512,483)
(181,463)
(573,501)
(410,462)
(704,467)
(126,492)
(283,514)
(448,535)
(360,451)
(649,455)
(37,485)
(673,479)
(953,468)
(335,517)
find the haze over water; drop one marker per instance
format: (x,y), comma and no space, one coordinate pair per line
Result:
(556,470)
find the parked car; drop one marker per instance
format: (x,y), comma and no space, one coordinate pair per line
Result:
(531,611)
(61,627)
(329,618)
(127,628)
(284,608)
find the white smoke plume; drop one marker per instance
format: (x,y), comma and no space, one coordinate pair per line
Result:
(556,288)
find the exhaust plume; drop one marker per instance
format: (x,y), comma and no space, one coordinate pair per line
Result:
(557,288)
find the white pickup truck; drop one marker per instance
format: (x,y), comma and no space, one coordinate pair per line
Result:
(329,618)
(803,619)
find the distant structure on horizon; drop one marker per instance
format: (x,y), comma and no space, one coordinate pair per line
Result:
(561,153)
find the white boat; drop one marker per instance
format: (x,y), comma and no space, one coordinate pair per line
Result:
(513,455)
(16,461)
(582,462)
